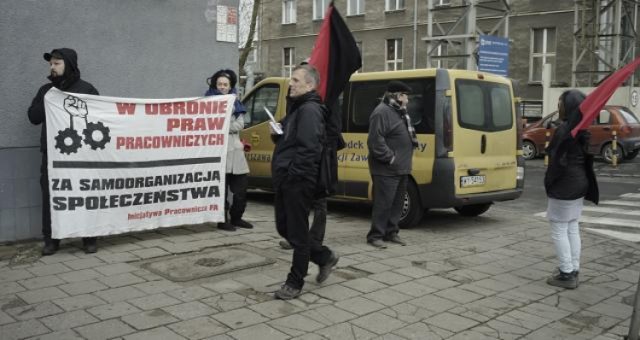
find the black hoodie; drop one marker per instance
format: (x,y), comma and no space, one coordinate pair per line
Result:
(570,173)
(69,82)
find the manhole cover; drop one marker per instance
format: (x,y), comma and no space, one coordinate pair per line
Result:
(196,266)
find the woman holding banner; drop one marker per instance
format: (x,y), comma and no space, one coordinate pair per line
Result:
(221,83)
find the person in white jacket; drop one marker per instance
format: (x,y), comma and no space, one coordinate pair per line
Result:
(224,82)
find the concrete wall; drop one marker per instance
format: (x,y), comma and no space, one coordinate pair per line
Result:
(126,48)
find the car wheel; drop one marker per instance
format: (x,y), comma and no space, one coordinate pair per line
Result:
(631,155)
(607,153)
(528,150)
(473,209)
(411,207)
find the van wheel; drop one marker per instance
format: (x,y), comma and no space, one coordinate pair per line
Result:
(528,150)
(607,153)
(411,208)
(473,209)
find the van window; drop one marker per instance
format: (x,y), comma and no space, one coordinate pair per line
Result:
(366,95)
(266,96)
(483,105)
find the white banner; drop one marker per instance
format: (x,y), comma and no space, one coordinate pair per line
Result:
(121,164)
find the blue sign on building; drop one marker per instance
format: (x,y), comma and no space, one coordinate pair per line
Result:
(493,55)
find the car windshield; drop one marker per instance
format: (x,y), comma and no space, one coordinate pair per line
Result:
(629,116)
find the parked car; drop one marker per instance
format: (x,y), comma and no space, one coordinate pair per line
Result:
(611,118)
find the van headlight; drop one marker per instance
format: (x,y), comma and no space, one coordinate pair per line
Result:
(520,173)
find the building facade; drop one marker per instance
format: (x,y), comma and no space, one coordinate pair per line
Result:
(394,35)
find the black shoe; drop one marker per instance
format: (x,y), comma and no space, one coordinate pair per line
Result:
(396,239)
(287,292)
(563,280)
(50,247)
(378,244)
(325,271)
(89,244)
(285,245)
(226,226)
(240,223)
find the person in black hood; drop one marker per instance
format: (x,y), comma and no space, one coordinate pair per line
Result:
(294,168)
(65,76)
(569,179)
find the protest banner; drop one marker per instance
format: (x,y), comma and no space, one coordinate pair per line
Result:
(120,164)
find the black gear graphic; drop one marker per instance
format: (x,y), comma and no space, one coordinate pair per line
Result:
(88,135)
(75,141)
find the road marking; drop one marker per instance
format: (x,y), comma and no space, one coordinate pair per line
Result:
(608,210)
(622,202)
(603,220)
(631,195)
(617,234)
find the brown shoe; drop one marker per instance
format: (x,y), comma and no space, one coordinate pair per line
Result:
(285,245)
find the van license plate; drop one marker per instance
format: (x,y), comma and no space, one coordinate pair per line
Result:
(468,181)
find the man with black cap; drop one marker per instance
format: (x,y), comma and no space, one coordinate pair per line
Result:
(391,141)
(65,76)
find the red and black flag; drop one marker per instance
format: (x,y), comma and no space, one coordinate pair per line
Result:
(335,55)
(594,102)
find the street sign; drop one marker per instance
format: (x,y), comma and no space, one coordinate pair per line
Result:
(493,55)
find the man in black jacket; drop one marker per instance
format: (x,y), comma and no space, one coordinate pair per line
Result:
(65,76)
(295,167)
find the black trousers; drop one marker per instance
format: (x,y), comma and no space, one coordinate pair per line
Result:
(388,197)
(46,202)
(293,202)
(319,225)
(237,184)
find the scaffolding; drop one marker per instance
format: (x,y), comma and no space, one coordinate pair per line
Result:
(452,39)
(605,38)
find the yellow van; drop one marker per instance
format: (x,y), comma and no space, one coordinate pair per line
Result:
(470,148)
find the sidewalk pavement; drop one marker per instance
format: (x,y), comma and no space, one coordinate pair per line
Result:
(459,278)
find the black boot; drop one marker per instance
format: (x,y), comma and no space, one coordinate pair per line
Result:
(51,246)
(89,244)
(563,280)
(240,223)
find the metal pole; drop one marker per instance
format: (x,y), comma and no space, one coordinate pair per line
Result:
(415,34)
(634,326)
(429,30)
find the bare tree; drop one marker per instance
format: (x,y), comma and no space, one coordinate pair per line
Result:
(248,45)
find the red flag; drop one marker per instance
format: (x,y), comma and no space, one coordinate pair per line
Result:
(594,102)
(335,55)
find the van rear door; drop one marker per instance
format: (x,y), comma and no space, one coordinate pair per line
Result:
(484,135)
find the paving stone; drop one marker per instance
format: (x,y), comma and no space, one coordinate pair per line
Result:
(119,294)
(148,253)
(295,325)
(188,294)
(523,319)
(199,328)
(378,323)
(113,310)
(417,331)
(108,329)
(372,267)
(12,287)
(240,318)
(458,295)
(390,278)
(121,280)
(414,272)
(34,311)
(149,319)
(613,309)
(501,330)
(258,280)
(155,287)
(80,275)
(5,318)
(84,263)
(388,297)
(359,305)
(160,333)
(117,257)
(433,303)
(276,308)
(41,282)
(407,313)
(465,275)
(336,292)
(68,320)
(82,287)
(364,285)
(154,301)
(42,294)
(345,331)
(66,334)
(47,269)
(226,286)
(116,268)
(78,302)
(413,288)
(498,286)
(190,310)
(329,315)
(261,331)
(61,256)
(22,329)
(451,322)
(437,282)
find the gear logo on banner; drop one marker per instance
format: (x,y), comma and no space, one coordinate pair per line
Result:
(96,135)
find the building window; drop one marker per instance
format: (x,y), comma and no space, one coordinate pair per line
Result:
(394,55)
(442,3)
(355,7)
(319,7)
(288,11)
(288,61)
(393,5)
(543,51)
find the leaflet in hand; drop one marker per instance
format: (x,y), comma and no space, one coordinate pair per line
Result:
(275,126)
